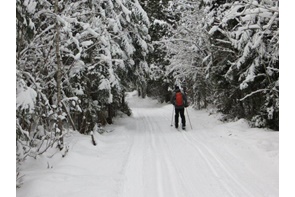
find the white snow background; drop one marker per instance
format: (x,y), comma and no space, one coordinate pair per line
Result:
(145,156)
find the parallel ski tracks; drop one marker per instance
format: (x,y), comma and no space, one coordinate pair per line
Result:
(218,168)
(227,179)
(175,182)
(152,153)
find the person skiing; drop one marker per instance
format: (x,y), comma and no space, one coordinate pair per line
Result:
(179,101)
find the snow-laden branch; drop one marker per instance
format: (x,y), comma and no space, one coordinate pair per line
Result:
(174,40)
(255,92)
(270,8)
(33,43)
(180,40)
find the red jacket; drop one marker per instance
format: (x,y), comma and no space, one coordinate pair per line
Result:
(173,100)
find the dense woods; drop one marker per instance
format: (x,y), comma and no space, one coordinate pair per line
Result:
(75,59)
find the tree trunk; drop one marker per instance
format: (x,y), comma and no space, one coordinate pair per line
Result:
(58,75)
(69,116)
(143,90)
(110,114)
(123,99)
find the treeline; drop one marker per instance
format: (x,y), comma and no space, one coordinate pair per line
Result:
(226,53)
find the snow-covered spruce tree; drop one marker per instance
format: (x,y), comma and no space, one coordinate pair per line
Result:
(97,42)
(188,50)
(221,54)
(162,17)
(105,49)
(252,30)
(36,107)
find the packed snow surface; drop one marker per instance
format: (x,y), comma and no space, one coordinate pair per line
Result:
(143,156)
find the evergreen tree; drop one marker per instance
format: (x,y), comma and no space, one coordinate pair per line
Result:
(227,52)
(75,60)
(188,51)
(163,20)
(249,31)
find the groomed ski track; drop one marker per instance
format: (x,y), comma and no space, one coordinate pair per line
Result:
(165,162)
(144,156)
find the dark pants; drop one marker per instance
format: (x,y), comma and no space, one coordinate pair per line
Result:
(181,112)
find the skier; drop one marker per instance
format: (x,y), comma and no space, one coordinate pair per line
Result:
(179,101)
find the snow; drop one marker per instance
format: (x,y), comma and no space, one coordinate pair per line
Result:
(26,98)
(78,91)
(114,25)
(87,43)
(160,22)
(31,5)
(129,48)
(142,12)
(77,67)
(213,30)
(145,156)
(104,85)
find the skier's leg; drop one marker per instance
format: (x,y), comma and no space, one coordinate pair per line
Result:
(182,118)
(176,117)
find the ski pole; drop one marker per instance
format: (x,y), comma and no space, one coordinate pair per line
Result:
(189,118)
(172,117)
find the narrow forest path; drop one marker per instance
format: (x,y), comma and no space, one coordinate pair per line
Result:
(200,162)
(146,157)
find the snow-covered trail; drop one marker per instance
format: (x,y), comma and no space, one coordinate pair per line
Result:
(146,157)
(165,162)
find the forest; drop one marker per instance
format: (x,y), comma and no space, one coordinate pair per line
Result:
(76,59)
